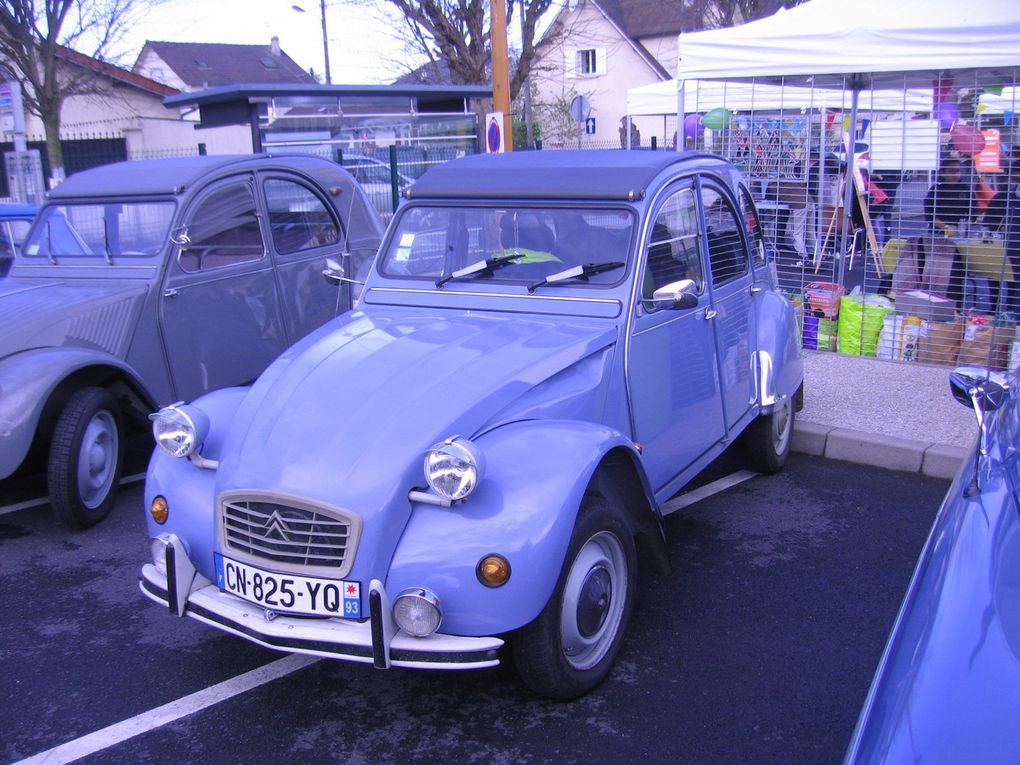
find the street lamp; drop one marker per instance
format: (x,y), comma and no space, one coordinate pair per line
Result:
(325,38)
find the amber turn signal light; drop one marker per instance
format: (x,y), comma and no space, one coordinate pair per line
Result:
(160,510)
(493,570)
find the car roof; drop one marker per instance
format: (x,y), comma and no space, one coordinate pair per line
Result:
(586,174)
(174,175)
(18,211)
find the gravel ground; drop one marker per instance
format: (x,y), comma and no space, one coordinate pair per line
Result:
(906,400)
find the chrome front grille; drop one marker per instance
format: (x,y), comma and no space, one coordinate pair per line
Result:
(288,534)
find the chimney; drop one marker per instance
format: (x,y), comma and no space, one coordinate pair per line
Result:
(274,45)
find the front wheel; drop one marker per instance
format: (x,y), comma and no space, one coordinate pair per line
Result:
(767,439)
(571,646)
(85,458)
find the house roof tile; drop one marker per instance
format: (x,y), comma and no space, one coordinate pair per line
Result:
(213,64)
(115,72)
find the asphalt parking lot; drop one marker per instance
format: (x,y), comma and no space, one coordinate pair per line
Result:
(759,647)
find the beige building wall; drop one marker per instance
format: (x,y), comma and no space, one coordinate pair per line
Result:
(559,77)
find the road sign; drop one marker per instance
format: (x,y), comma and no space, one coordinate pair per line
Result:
(580,109)
(494,133)
(589,126)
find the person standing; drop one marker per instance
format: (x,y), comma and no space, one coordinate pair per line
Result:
(947,209)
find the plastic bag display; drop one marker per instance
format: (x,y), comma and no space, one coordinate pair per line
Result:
(940,342)
(823,297)
(985,343)
(819,334)
(860,322)
(900,337)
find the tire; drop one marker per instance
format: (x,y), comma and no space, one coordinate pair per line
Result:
(86,458)
(767,440)
(571,646)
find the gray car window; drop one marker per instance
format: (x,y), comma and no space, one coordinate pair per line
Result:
(223,230)
(114,229)
(298,219)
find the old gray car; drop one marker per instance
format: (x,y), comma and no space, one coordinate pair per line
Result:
(143,283)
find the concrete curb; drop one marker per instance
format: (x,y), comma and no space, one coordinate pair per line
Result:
(906,454)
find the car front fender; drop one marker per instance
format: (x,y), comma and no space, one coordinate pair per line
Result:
(29,378)
(524,509)
(190,490)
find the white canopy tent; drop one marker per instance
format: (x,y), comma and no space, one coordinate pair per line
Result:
(829,37)
(870,44)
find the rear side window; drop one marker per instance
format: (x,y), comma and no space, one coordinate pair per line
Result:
(298,219)
(754,233)
(726,254)
(223,230)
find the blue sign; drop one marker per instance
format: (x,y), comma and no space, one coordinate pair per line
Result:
(589,126)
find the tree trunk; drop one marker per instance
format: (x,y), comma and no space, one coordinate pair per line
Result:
(54,152)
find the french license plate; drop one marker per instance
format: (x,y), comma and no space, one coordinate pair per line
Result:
(289,593)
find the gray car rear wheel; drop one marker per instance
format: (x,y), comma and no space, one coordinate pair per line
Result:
(85,458)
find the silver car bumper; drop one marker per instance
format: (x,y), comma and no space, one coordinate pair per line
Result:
(371,641)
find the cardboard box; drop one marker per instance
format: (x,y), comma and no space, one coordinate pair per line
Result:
(928,307)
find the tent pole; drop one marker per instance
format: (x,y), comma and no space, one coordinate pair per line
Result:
(629,147)
(681,140)
(848,178)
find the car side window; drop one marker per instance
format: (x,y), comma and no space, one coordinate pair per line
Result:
(727,256)
(754,232)
(223,230)
(672,252)
(298,219)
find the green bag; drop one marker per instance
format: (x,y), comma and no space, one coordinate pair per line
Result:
(860,323)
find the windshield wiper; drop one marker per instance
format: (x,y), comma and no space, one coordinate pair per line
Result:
(577,272)
(489,264)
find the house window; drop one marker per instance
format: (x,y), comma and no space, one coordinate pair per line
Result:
(585,62)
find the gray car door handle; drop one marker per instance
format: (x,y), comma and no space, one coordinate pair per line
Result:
(170,292)
(710,313)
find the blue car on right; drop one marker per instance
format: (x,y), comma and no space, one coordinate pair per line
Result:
(947,689)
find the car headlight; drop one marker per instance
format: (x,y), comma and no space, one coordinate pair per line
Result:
(417,611)
(179,429)
(453,468)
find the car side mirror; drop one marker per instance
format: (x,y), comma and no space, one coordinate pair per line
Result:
(981,389)
(682,294)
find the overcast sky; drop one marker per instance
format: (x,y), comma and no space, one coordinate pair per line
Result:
(360,47)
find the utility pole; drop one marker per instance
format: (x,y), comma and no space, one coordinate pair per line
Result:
(325,41)
(501,70)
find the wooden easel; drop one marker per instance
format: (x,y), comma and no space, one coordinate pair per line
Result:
(862,200)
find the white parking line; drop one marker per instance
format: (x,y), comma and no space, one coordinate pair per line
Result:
(706,491)
(46,500)
(168,713)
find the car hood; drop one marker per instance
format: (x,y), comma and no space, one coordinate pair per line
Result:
(53,313)
(345,417)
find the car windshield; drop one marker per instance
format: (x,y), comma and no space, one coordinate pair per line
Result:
(108,230)
(446,243)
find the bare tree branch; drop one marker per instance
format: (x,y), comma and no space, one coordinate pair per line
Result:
(32,35)
(453,36)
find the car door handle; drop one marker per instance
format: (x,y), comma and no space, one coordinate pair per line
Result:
(710,313)
(756,288)
(170,292)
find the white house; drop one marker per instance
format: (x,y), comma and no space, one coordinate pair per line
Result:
(599,49)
